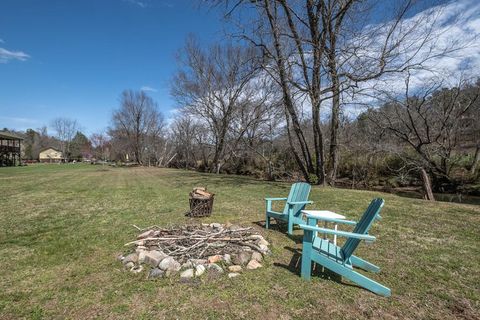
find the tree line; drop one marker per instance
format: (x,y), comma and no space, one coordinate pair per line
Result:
(311,90)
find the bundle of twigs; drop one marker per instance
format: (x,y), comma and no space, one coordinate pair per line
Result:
(199,242)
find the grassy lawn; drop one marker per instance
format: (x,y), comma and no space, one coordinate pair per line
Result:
(63,225)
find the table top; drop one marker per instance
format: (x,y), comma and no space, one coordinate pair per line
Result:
(323,214)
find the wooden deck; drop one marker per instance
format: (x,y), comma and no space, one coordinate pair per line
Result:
(10,149)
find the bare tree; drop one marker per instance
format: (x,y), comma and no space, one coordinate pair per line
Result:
(428,121)
(318,50)
(262,127)
(101,145)
(65,132)
(472,132)
(210,86)
(184,130)
(157,145)
(136,121)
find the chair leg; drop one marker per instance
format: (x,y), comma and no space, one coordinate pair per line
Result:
(267,222)
(306,271)
(352,275)
(368,283)
(363,264)
(290,226)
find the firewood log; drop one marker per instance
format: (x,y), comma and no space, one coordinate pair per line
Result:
(204,193)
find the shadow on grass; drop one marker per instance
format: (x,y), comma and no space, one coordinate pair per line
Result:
(273,227)
(318,271)
(282,228)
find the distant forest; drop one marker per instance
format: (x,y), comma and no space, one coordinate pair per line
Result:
(392,146)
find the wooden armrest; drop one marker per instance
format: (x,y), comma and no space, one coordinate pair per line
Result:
(349,222)
(338,233)
(275,199)
(300,202)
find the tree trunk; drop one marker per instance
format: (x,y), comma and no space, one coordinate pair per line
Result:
(216,159)
(270,171)
(219,147)
(305,163)
(332,70)
(427,185)
(476,161)
(333,161)
(319,152)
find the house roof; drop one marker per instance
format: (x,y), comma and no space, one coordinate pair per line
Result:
(9,136)
(53,148)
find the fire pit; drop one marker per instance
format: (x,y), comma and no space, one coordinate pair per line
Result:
(194,250)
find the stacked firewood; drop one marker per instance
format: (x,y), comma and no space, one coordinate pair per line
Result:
(201,203)
(201,193)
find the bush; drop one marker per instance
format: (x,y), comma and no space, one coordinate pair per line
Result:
(312,178)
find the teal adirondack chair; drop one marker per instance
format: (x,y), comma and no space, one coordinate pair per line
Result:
(341,259)
(295,202)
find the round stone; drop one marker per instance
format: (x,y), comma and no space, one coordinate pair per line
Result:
(199,270)
(187,274)
(214,259)
(263,242)
(235,268)
(132,257)
(215,268)
(137,269)
(241,258)
(253,264)
(257,256)
(155,273)
(227,259)
(169,263)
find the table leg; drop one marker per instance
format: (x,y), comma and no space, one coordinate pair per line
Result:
(335,236)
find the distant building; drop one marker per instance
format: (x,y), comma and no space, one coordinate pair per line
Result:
(10,149)
(50,155)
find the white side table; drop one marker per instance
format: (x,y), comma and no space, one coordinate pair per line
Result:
(324,214)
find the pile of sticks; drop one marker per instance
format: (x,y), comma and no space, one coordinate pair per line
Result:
(199,242)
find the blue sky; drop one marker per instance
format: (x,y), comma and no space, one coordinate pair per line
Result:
(74,58)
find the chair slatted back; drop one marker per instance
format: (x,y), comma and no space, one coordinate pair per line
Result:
(298,192)
(363,226)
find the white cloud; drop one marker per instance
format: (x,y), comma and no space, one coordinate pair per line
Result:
(141,4)
(147,88)
(175,111)
(452,52)
(456,26)
(456,21)
(7,55)
(166,4)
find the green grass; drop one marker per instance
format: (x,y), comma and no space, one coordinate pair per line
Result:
(63,225)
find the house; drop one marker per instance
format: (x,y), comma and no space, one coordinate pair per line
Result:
(50,155)
(10,149)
